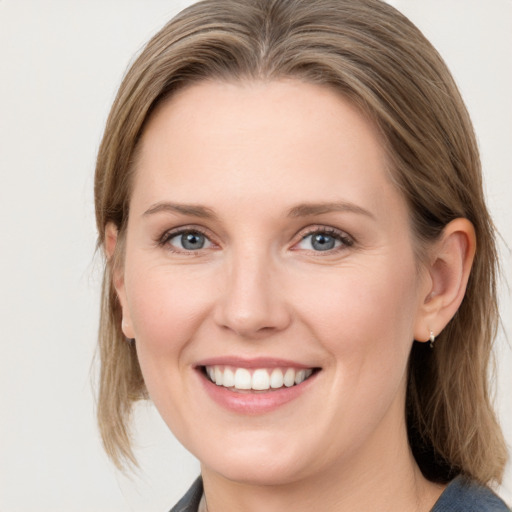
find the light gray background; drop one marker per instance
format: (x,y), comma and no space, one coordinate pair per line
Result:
(60,65)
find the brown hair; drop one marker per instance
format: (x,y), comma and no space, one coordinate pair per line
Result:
(381,62)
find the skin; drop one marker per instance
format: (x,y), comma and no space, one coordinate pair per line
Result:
(250,153)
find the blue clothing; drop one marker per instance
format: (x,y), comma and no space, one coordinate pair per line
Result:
(461,495)
(464,495)
(190,502)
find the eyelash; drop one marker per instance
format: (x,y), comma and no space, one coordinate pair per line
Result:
(163,241)
(338,235)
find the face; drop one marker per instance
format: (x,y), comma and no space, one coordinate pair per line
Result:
(270,280)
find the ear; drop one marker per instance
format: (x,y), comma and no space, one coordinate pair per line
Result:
(110,244)
(110,240)
(447,272)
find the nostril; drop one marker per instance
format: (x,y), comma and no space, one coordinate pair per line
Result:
(252,323)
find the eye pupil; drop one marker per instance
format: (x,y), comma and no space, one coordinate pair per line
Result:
(192,241)
(322,242)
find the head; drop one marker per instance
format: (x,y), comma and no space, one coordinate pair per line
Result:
(380,65)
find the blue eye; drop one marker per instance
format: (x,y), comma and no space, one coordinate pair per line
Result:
(189,241)
(322,241)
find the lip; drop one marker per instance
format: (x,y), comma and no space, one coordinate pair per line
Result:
(258,362)
(253,403)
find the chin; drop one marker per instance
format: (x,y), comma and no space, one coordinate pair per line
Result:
(258,472)
(276,461)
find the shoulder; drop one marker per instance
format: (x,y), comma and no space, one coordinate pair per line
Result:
(465,495)
(190,501)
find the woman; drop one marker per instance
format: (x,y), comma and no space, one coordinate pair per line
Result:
(300,263)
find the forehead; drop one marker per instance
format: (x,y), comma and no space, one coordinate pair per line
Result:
(287,141)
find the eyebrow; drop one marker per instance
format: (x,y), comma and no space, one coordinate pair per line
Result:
(301,210)
(185,209)
(310,209)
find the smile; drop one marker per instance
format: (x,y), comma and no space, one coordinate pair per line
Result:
(257,379)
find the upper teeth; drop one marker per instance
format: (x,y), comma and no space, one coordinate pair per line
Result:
(258,379)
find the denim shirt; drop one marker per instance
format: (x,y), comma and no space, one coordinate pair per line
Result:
(461,495)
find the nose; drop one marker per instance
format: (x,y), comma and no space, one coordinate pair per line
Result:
(252,301)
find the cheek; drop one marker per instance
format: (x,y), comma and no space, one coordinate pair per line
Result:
(165,306)
(365,312)
(365,321)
